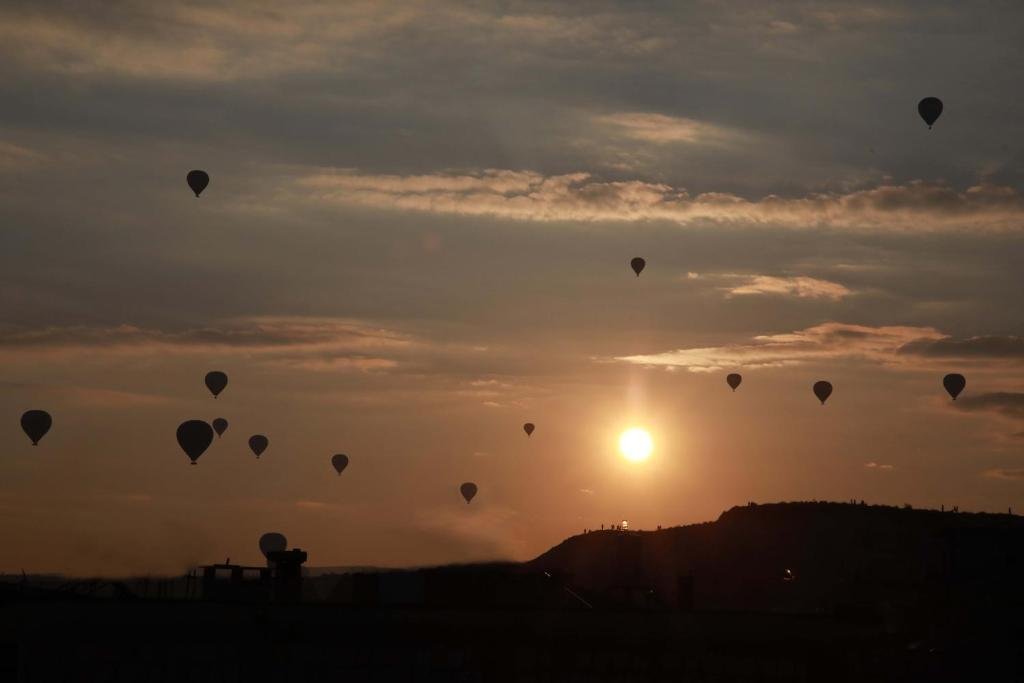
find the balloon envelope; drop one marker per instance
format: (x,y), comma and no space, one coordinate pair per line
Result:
(194,437)
(637,264)
(216,381)
(733,379)
(273,542)
(822,390)
(220,425)
(468,490)
(258,443)
(35,423)
(197,180)
(528,428)
(340,462)
(930,108)
(954,383)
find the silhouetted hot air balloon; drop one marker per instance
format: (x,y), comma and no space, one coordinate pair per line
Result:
(220,425)
(194,437)
(733,379)
(930,108)
(528,428)
(216,381)
(273,542)
(637,264)
(954,384)
(258,443)
(197,180)
(822,390)
(36,423)
(340,462)
(468,490)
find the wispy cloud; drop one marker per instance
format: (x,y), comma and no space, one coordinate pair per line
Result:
(1009,474)
(17,157)
(311,505)
(1007,406)
(1005,347)
(878,466)
(253,334)
(304,343)
(530,196)
(822,342)
(191,42)
(110,398)
(799,286)
(661,129)
(1005,403)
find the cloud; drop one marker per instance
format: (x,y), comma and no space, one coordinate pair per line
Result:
(1005,403)
(878,466)
(313,344)
(661,129)
(1001,347)
(826,341)
(496,375)
(251,334)
(529,196)
(18,157)
(1012,474)
(110,398)
(133,497)
(800,286)
(212,42)
(316,342)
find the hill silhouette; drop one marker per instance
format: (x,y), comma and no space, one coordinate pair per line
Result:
(802,557)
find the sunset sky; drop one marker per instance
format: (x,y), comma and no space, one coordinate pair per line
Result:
(417,237)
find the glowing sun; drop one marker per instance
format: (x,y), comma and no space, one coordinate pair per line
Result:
(635,444)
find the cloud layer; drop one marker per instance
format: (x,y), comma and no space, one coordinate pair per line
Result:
(916,207)
(824,342)
(799,286)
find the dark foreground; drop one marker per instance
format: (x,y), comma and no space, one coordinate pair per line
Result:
(784,592)
(197,641)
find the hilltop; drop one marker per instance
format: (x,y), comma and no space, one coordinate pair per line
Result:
(803,556)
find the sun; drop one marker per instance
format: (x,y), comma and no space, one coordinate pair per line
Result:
(635,444)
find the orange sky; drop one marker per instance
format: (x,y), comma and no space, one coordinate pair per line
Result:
(417,237)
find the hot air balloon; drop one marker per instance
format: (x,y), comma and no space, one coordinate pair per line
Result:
(954,384)
(468,490)
(637,264)
(528,428)
(220,425)
(822,390)
(194,437)
(930,108)
(733,379)
(340,462)
(197,180)
(216,381)
(35,423)
(273,542)
(258,443)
